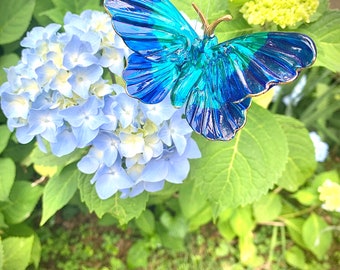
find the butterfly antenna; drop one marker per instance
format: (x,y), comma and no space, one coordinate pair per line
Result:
(210,28)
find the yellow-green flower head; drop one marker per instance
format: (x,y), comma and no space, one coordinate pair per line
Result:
(282,13)
(330,195)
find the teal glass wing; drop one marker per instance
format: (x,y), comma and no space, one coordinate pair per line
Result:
(234,71)
(214,81)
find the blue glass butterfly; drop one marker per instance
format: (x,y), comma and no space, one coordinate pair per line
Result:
(215,81)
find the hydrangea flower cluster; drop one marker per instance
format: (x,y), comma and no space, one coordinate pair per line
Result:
(57,94)
(330,195)
(282,13)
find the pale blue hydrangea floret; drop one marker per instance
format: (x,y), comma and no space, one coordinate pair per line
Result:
(57,95)
(321,148)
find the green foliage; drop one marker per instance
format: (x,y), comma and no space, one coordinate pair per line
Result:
(325,32)
(264,183)
(7,175)
(58,191)
(123,209)
(17,252)
(57,13)
(301,162)
(14,20)
(255,158)
(22,201)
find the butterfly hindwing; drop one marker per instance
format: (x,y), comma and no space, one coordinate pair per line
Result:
(149,81)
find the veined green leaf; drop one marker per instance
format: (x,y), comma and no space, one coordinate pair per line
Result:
(239,171)
(301,162)
(326,35)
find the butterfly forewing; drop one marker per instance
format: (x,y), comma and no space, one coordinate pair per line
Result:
(152,28)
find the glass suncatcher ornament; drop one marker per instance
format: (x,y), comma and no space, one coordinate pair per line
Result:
(215,81)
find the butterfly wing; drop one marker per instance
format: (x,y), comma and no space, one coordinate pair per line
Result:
(160,38)
(239,69)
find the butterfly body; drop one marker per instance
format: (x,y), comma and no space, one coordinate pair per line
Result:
(215,81)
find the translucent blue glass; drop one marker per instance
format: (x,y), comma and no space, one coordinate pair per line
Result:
(215,81)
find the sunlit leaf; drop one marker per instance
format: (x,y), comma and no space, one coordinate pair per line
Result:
(239,171)
(58,191)
(316,236)
(325,33)
(301,163)
(296,257)
(17,252)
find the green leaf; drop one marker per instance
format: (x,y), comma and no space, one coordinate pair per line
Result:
(23,199)
(316,236)
(248,251)
(1,255)
(3,224)
(58,191)
(211,9)
(57,13)
(296,257)
(18,152)
(123,209)
(326,35)
(49,160)
(17,252)
(224,226)
(177,226)
(146,222)
(5,62)
(7,175)
(15,18)
(241,221)
(307,196)
(40,7)
(267,208)
(301,162)
(190,199)
(138,255)
(36,251)
(240,171)
(201,218)
(294,226)
(4,135)
(214,10)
